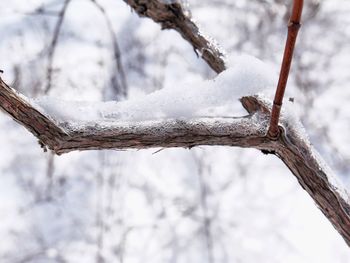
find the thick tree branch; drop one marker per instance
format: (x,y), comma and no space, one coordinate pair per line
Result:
(173,16)
(66,136)
(249,131)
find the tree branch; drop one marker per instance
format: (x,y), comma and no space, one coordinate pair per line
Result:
(173,16)
(247,131)
(63,137)
(293,28)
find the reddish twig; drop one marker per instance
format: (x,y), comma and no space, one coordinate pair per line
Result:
(293,28)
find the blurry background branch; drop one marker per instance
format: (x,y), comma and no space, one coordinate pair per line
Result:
(53,45)
(118,79)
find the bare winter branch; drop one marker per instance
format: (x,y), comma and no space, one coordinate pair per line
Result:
(293,28)
(173,16)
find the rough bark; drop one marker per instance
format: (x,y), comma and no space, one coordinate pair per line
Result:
(291,147)
(173,16)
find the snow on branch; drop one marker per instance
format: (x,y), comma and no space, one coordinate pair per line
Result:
(63,136)
(172,15)
(292,147)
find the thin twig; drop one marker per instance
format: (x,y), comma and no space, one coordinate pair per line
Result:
(121,86)
(293,28)
(53,45)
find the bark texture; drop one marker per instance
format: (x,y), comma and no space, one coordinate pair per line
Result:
(173,16)
(248,131)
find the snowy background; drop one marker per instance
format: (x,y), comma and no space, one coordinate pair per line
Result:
(207,204)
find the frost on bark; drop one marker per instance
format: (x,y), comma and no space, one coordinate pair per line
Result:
(247,131)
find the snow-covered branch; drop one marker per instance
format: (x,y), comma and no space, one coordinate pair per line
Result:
(172,15)
(292,147)
(62,136)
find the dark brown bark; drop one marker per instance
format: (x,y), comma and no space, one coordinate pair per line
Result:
(173,16)
(248,131)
